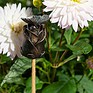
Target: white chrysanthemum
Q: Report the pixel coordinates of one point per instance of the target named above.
(11, 29)
(70, 12)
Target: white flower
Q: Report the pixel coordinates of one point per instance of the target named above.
(11, 29)
(70, 12)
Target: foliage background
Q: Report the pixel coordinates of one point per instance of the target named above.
(57, 71)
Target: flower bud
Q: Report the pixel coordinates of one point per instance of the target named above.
(89, 62)
(37, 3)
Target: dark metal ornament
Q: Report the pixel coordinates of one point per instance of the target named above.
(36, 19)
(35, 34)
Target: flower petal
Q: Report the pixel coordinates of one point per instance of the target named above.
(75, 25)
(70, 13)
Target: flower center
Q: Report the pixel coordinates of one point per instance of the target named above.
(78, 1)
(17, 28)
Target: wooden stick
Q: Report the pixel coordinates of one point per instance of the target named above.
(33, 76)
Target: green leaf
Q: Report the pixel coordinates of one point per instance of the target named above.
(17, 69)
(62, 77)
(80, 88)
(4, 59)
(56, 48)
(81, 47)
(39, 85)
(68, 59)
(67, 86)
(85, 84)
(67, 35)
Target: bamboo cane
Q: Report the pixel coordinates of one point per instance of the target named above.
(33, 76)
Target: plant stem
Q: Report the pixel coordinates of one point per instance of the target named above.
(62, 33)
(53, 75)
(64, 53)
(60, 44)
(77, 37)
(44, 72)
(57, 55)
(33, 76)
(49, 41)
